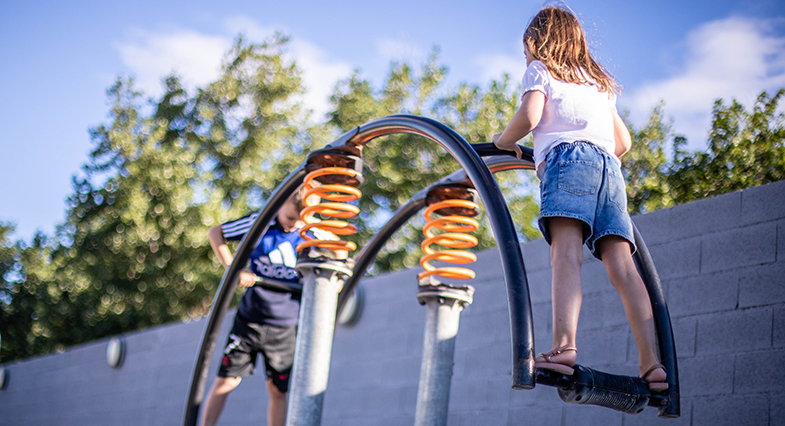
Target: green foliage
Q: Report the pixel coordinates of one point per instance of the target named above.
(133, 250)
(645, 166)
(398, 166)
(745, 149)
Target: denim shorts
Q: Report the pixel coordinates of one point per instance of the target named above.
(583, 182)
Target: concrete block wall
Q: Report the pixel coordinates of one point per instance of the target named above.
(721, 262)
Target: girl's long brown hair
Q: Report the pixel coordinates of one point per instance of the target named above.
(555, 38)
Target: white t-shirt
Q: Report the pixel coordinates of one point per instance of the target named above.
(573, 112)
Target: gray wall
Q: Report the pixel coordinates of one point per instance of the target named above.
(722, 263)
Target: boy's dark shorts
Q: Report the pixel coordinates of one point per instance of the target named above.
(247, 339)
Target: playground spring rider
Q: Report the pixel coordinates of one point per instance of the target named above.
(334, 176)
(457, 206)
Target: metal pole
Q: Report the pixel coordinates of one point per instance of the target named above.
(321, 282)
(444, 305)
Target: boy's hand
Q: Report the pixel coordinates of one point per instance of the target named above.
(247, 278)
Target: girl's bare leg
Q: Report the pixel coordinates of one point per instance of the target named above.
(615, 253)
(566, 291)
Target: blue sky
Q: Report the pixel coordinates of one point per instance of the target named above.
(58, 59)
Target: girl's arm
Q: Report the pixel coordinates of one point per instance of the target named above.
(621, 135)
(524, 120)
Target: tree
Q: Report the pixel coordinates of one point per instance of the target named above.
(133, 251)
(401, 165)
(645, 166)
(745, 149)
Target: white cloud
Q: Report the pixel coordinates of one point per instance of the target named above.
(494, 65)
(320, 73)
(401, 50)
(151, 56)
(197, 58)
(729, 58)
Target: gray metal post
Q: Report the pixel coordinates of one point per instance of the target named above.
(444, 305)
(321, 282)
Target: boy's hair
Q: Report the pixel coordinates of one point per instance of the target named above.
(297, 199)
(555, 37)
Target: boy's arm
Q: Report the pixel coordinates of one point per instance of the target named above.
(621, 135)
(217, 241)
(524, 121)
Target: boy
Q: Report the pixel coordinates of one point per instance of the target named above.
(266, 320)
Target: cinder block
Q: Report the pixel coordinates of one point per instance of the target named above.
(484, 417)
(382, 401)
(533, 415)
(703, 294)
(499, 392)
(691, 219)
(536, 255)
(777, 413)
(685, 333)
(778, 334)
(342, 403)
(539, 285)
(542, 318)
(612, 309)
(763, 203)
(781, 241)
(581, 415)
(408, 400)
(760, 371)
(407, 312)
(469, 395)
(393, 343)
(736, 248)
(762, 285)
(488, 265)
(706, 375)
(373, 318)
(594, 279)
(353, 421)
(400, 371)
(541, 397)
(677, 259)
(604, 346)
(489, 296)
(654, 227)
(731, 410)
(389, 287)
(491, 360)
(738, 331)
(591, 312)
(481, 330)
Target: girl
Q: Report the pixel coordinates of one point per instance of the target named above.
(569, 105)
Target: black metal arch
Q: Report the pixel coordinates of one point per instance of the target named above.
(468, 156)
(669, 403)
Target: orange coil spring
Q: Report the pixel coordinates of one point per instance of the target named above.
(337, 196)
(455, 236)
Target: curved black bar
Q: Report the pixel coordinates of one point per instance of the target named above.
(226, 289)
(368, 254)
(279, 285)
(671, 406)
(513, 269)
(487, 149)
(371, 249)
